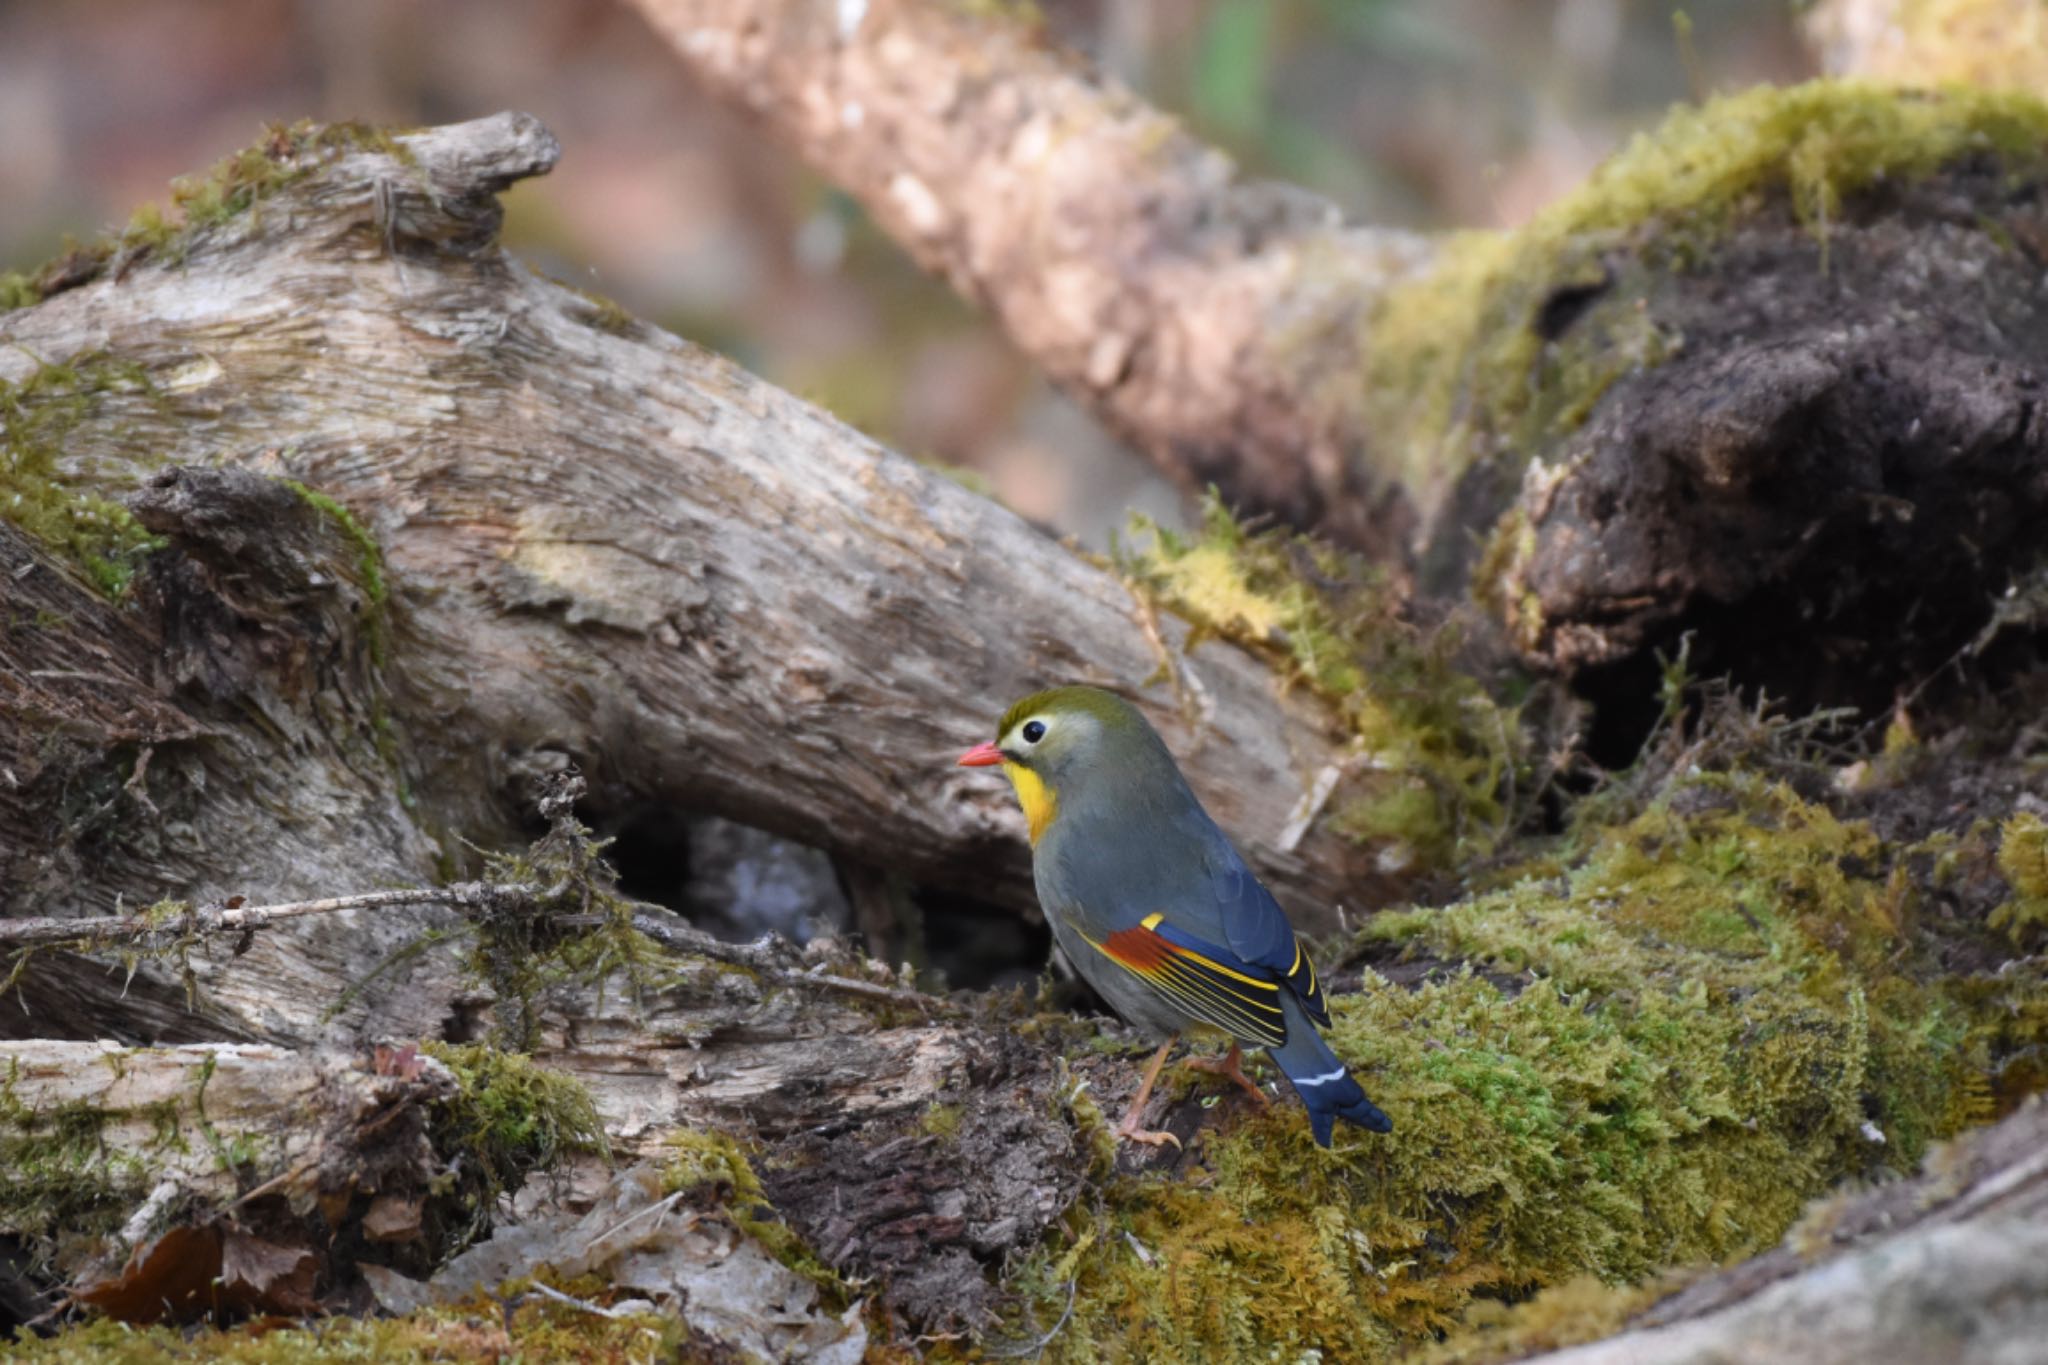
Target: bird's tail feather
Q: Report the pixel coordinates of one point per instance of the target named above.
(1326, 1088)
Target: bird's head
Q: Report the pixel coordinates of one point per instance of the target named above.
(1054, 745)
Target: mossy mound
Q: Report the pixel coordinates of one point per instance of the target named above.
(1466, 361)
(1714, 1014)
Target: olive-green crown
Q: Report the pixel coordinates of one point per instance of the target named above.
(1106, 707)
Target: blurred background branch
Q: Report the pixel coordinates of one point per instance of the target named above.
(692, 217)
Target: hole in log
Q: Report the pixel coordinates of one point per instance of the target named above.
(739, 882)
(980, 946)
(1567, 305)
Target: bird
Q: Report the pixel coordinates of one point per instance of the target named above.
(1154, 906)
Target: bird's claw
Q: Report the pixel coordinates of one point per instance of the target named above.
(1150, 1137)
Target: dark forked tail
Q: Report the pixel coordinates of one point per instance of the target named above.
(1325, 1087)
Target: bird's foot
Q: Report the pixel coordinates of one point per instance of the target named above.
(1230, 1066)
(1129, 1131)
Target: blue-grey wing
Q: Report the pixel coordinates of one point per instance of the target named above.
(1256, 930)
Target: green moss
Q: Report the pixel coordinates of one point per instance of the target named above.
(941, 1121)
(1092, 1131)
(2023, 859)
(1511, 543)
(369, 554)
(528, 1328)
(714, 1170)
(65, 1188)
(1435, 756)
(236, 186)
(608, 314)
(511, 1116)
(17, 291)
(376, 615)
(1458, 364)
(1580, 1310)
(37, 495)
(62, 1187)
(1685, 1035)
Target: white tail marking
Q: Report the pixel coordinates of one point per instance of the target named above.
(1323, 1079)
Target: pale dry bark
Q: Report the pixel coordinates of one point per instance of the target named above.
(300, 1125)
(1215, 322)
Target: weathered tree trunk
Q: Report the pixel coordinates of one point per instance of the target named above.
(572, 542)
(1215, 322)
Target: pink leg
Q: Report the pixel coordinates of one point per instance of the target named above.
(1129, 1128)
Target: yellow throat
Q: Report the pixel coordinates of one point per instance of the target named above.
(1037, 799)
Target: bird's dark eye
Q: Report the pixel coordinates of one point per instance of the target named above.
(1034, 731)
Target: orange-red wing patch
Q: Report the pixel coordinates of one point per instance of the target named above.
(1138, 948)
(1241, 1005)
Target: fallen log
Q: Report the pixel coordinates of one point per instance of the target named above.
(1945, 1266)
(432, 525)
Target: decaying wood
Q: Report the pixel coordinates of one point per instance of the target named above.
(1214, 321)
(249, 1092)
(123, 783)
(1836, 474)
(837, 1092)
(300, 1126)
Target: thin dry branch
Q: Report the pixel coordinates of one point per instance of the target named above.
(159, 925)
(161, 928)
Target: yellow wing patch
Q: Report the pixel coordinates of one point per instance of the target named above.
(1302, 977)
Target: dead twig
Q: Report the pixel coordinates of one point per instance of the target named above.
(142, 929)
(162, 928)
(763, 957)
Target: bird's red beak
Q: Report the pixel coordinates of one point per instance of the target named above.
(981, 756)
